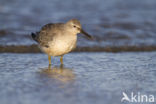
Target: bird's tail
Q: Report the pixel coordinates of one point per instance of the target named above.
(34, 36)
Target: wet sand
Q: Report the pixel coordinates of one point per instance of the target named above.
(34, 49)
(87, 78)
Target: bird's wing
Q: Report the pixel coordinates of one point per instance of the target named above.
(46, 34)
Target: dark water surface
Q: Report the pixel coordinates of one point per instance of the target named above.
(87, 78)
(111, 22)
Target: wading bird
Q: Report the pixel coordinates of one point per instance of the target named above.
(58, 39)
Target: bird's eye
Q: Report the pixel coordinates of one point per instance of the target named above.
(74, 26)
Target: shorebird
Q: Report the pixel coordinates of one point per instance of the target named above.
(59, 39)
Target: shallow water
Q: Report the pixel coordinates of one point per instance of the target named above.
(87, 78)
(111, 22)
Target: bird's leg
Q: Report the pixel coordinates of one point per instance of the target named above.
(61, 60)
(61, 66)
(49, 58)
(49, 67)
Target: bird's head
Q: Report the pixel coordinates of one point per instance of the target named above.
(76, 27)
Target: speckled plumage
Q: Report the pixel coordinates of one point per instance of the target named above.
(59, 38)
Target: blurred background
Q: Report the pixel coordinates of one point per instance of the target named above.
(111, 22)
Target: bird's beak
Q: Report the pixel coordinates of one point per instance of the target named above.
(86, 34)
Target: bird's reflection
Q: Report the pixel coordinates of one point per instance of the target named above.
(60, 73)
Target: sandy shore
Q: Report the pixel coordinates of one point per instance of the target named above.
(35, 49)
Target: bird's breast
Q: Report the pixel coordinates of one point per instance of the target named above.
(62, 45)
